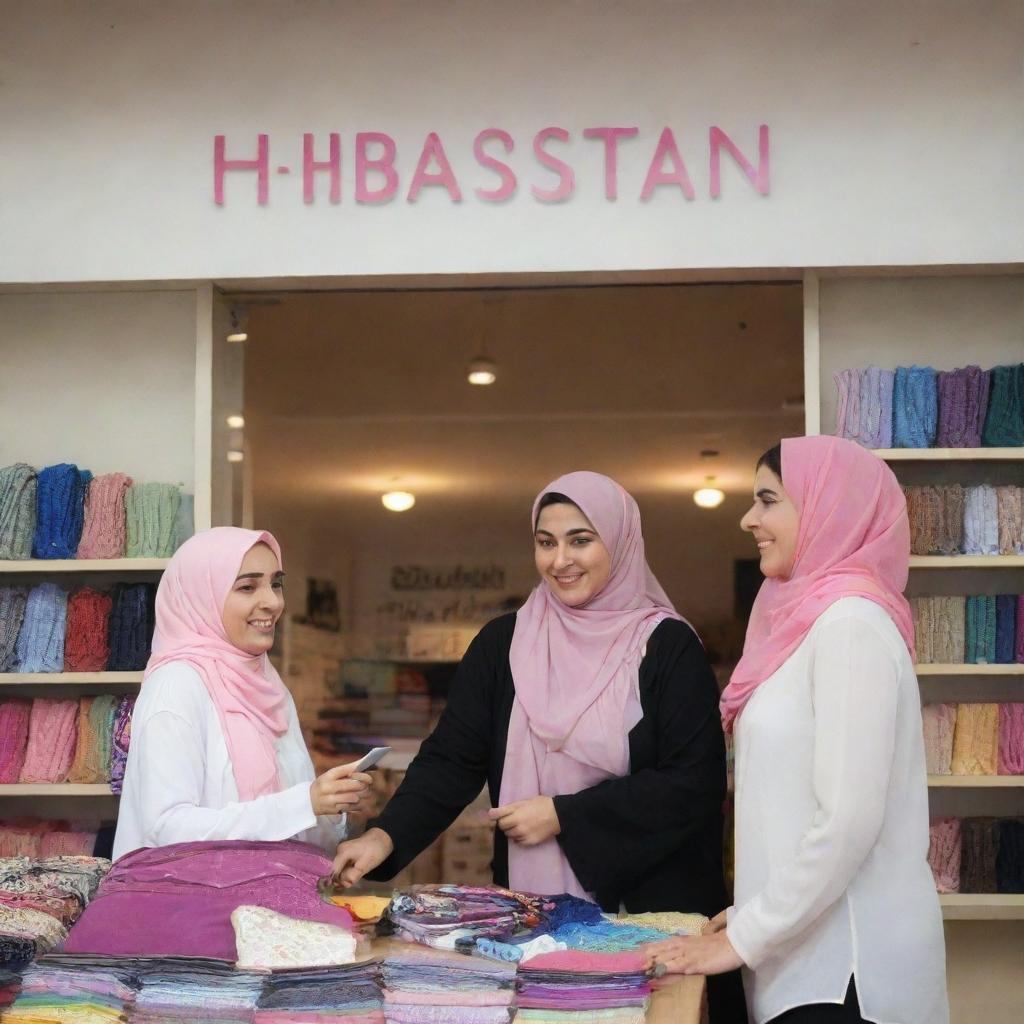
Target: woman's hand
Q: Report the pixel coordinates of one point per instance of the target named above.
(528, 822)
(717, 923)
(696, 954)
(357, 856)
(339, 789)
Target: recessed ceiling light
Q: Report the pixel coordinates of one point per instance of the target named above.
(235, 455)
(482, 371)
(236, 422)
(398, 501)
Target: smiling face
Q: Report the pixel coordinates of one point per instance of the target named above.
(774, 521)
(255, 602)
(570, 555)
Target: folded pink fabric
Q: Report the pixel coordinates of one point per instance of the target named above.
(52, 738)
(580, 960)
(313, 1017)
(1011, 739)
(20, 841)
(14, 719)
(103, 533)
(67, 844)
(452, 997)
(944, 853)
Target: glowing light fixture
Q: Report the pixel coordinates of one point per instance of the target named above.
(482, 371)
(239, 325)
(398, 501)
(236, 422)
(234, 455)
(709, 496)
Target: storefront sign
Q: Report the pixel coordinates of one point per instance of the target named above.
(458, 577)
(376, 180)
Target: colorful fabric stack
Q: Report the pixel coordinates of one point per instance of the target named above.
(1006, 628)
(39, 839)
(41, 899)
(18, 490)
(915, 407)
(422, 986)
(582, 983)
(15, 715)
(103, 533)
(60, 511)
(864, 409)
(177, 900)
(321, 995)
(963, 402)
(974, 738)
(980, 642)
(40, 646)
(944, 853)
(1004, 424)
(939, 722)
(936, 517)
(73, 990)
(86, 648)
(119, 742)
(52, 739)
(981, 521)
(1010, 515)
(151, 514)
(1011, 739)
(974, 630)
(193, 989)
(96, 720)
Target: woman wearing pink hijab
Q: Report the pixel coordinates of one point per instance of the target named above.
(216, 749)
(836, 917)
(592, 716)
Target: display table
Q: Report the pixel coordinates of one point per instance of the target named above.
(676, 999)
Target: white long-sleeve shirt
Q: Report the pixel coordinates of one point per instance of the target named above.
(832, 876)
(179, 785)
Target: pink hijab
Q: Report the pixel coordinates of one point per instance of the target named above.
(854, 541)
(250, 698)
(576, 676)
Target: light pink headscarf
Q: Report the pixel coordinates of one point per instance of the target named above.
(250, 698)
(853, 541)
(576, 675)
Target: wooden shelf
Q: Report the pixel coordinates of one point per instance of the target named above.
(967, 561)
(961, 906)
(974, 781)
(949, 454)
(55, 789)
(84, 565)
(962, 670)
(69, 678)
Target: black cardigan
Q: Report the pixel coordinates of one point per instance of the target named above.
(651, 840)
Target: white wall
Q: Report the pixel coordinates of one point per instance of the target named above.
(896, 135)
(102, 379)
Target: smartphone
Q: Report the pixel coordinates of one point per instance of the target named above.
(372, 759)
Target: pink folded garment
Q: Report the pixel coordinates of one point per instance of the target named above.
(1011, 739)
(14, 719)
(67, 844)
(592, 963)
(451, 997)
(316, 1017)
(944, 853)
(52, 739)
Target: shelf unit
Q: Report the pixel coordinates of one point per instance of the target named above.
(79, 565)
(947, 322)
(69, 678)
(40, 789)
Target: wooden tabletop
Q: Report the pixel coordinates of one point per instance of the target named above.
(676, 1000)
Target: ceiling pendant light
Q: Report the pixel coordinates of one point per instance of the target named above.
(239, 329)
(398, 501)
(709, 496)
(482, 371)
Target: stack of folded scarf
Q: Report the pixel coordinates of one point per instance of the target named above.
(940, 629)
(86, 647)
(52, 738)
(1011, 738)
(60, 511)
(38, 839)
(944, 843)
(1010, 515)
(40, 645)
(936, 517)
(73, 990)
(976, 740)
(424, 985)
(172, 989)
(13, 601)
(18, 487)
(14, 722)
(131, 627)
(103, 532)
(939, 728)
(963, 402)
(96, 721)
(1006, 628)
(981, 521)
(344, 994)
(151, 512)
(864, 409)
(980, 641)
(583, 984)
(1010, 856)
(915, 407)
(978, 851)
(119, 742)
(1004, 424)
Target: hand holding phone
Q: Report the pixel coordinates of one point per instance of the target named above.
(370, 760)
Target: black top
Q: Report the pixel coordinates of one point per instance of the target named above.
(651, 840)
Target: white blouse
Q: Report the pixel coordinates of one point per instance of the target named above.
(832, 875)
(179, 785)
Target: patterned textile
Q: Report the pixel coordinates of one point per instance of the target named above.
(266, 939)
